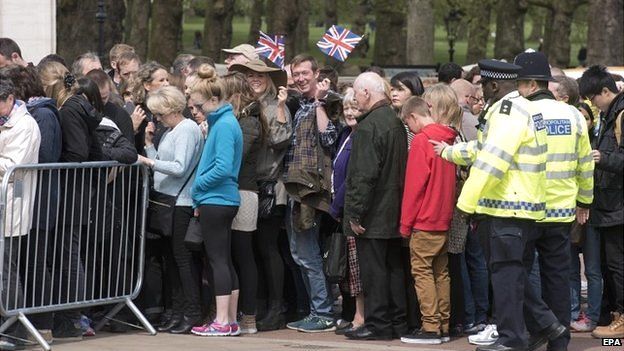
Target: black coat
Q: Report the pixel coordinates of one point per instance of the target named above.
(121, 118)
(79, 121)
(608, 206)
(115, 145)
(376, 174)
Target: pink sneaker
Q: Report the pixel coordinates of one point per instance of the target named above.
(213, 329)
(235, 329)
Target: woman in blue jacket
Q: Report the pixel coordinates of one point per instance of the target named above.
(216, 198)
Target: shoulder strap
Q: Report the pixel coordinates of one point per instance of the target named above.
(618, 127)
(189, 177)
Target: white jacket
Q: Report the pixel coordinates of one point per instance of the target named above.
(19, 144)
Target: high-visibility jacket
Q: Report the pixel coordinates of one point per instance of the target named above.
(508, 173)
(569, 166)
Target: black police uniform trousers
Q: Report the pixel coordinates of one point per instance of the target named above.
(552, 242)
(383, 285)
(504, 241)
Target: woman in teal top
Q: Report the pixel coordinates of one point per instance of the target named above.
(215, 197)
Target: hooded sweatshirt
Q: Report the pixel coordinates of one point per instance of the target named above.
(429, 193)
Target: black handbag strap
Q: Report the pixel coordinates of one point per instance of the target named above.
(188, 178)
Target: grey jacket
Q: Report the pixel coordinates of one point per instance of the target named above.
(271, 155)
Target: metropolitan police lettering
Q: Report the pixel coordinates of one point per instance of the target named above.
(559, 126)
(538, 121)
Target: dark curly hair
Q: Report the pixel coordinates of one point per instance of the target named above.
(25, 80)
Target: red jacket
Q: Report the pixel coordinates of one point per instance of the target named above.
(429, 193)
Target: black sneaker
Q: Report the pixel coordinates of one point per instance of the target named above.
(422, 337)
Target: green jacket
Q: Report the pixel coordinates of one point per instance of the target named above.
(376, 174)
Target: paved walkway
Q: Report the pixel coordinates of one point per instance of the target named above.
(275, 341)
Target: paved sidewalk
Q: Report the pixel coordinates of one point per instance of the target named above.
(275, 341)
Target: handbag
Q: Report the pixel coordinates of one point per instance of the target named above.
(160, 210)
(193, 240)
(266, 199)
(335, 260)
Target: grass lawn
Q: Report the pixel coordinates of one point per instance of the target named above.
(241, 31)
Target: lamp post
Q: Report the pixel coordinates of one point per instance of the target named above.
(100, 16)
(451, 22)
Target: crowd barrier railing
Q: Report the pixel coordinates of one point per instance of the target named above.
(71, 237)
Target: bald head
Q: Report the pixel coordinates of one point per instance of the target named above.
(464, 91)
(369, 89)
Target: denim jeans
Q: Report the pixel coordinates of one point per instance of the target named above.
(476, 281)
(591, 259)
(306, 252)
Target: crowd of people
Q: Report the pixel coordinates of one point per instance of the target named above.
(464, 203)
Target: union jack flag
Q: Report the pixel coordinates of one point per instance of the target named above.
(338, 42)
(272, 47)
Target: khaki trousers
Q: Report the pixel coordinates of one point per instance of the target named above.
(428, 252)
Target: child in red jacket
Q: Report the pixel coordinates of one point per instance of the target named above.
(427, 209)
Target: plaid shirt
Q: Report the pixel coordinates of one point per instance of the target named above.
(304, 139)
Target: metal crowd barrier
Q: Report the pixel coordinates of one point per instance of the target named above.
(71, 237)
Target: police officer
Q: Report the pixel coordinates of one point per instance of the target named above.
(569, 193)
(506, 193)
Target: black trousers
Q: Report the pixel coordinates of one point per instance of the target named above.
(216, 225)
(552, 242)
(246, 269)
(613, 240)
(457, 291)
(412, 307)
(505, 240)
(383, 285)
(270, 263)
(188, 266)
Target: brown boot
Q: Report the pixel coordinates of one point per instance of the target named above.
(613, 330)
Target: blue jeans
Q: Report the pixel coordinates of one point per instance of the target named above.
(306, 252)
(591, 259)
(475, 277)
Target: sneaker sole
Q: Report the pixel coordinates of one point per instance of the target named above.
(249, 331)
(421, 341)
(445, 339)
(481, 343)
(211, 334)
(292, 327)
(317, 331)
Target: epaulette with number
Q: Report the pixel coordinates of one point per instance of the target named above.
(505, 107)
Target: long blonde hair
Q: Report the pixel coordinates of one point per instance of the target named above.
(445, 108)
(58, 83)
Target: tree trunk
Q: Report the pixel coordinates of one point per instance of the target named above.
(390, 39)
(360, 18)
(331, 13)
(137, 26)
(605, 33)
(302, 33)
(77, 29)
(537, 19)
(559, 24)
(165, 36)
(479, 13)
(282, 18)
(257, 10)
(420, 32)
(509, 29)
(217, 27)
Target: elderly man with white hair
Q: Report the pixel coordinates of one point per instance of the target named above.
(375, 180)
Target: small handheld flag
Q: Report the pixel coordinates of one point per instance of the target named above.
(272, 47)
(338, 42)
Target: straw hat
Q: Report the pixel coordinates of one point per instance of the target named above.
(277, 75)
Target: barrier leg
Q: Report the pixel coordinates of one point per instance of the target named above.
(146, 324)
(109, 315)
(9, 322)
(34, 332)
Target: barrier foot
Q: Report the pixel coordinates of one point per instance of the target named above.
(146, 324)
(9, 322)
(34, 332)
(109, 315)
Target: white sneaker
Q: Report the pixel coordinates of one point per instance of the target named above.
(487, 336)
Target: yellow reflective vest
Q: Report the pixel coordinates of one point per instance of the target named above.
(508, 173)
(569, 166)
